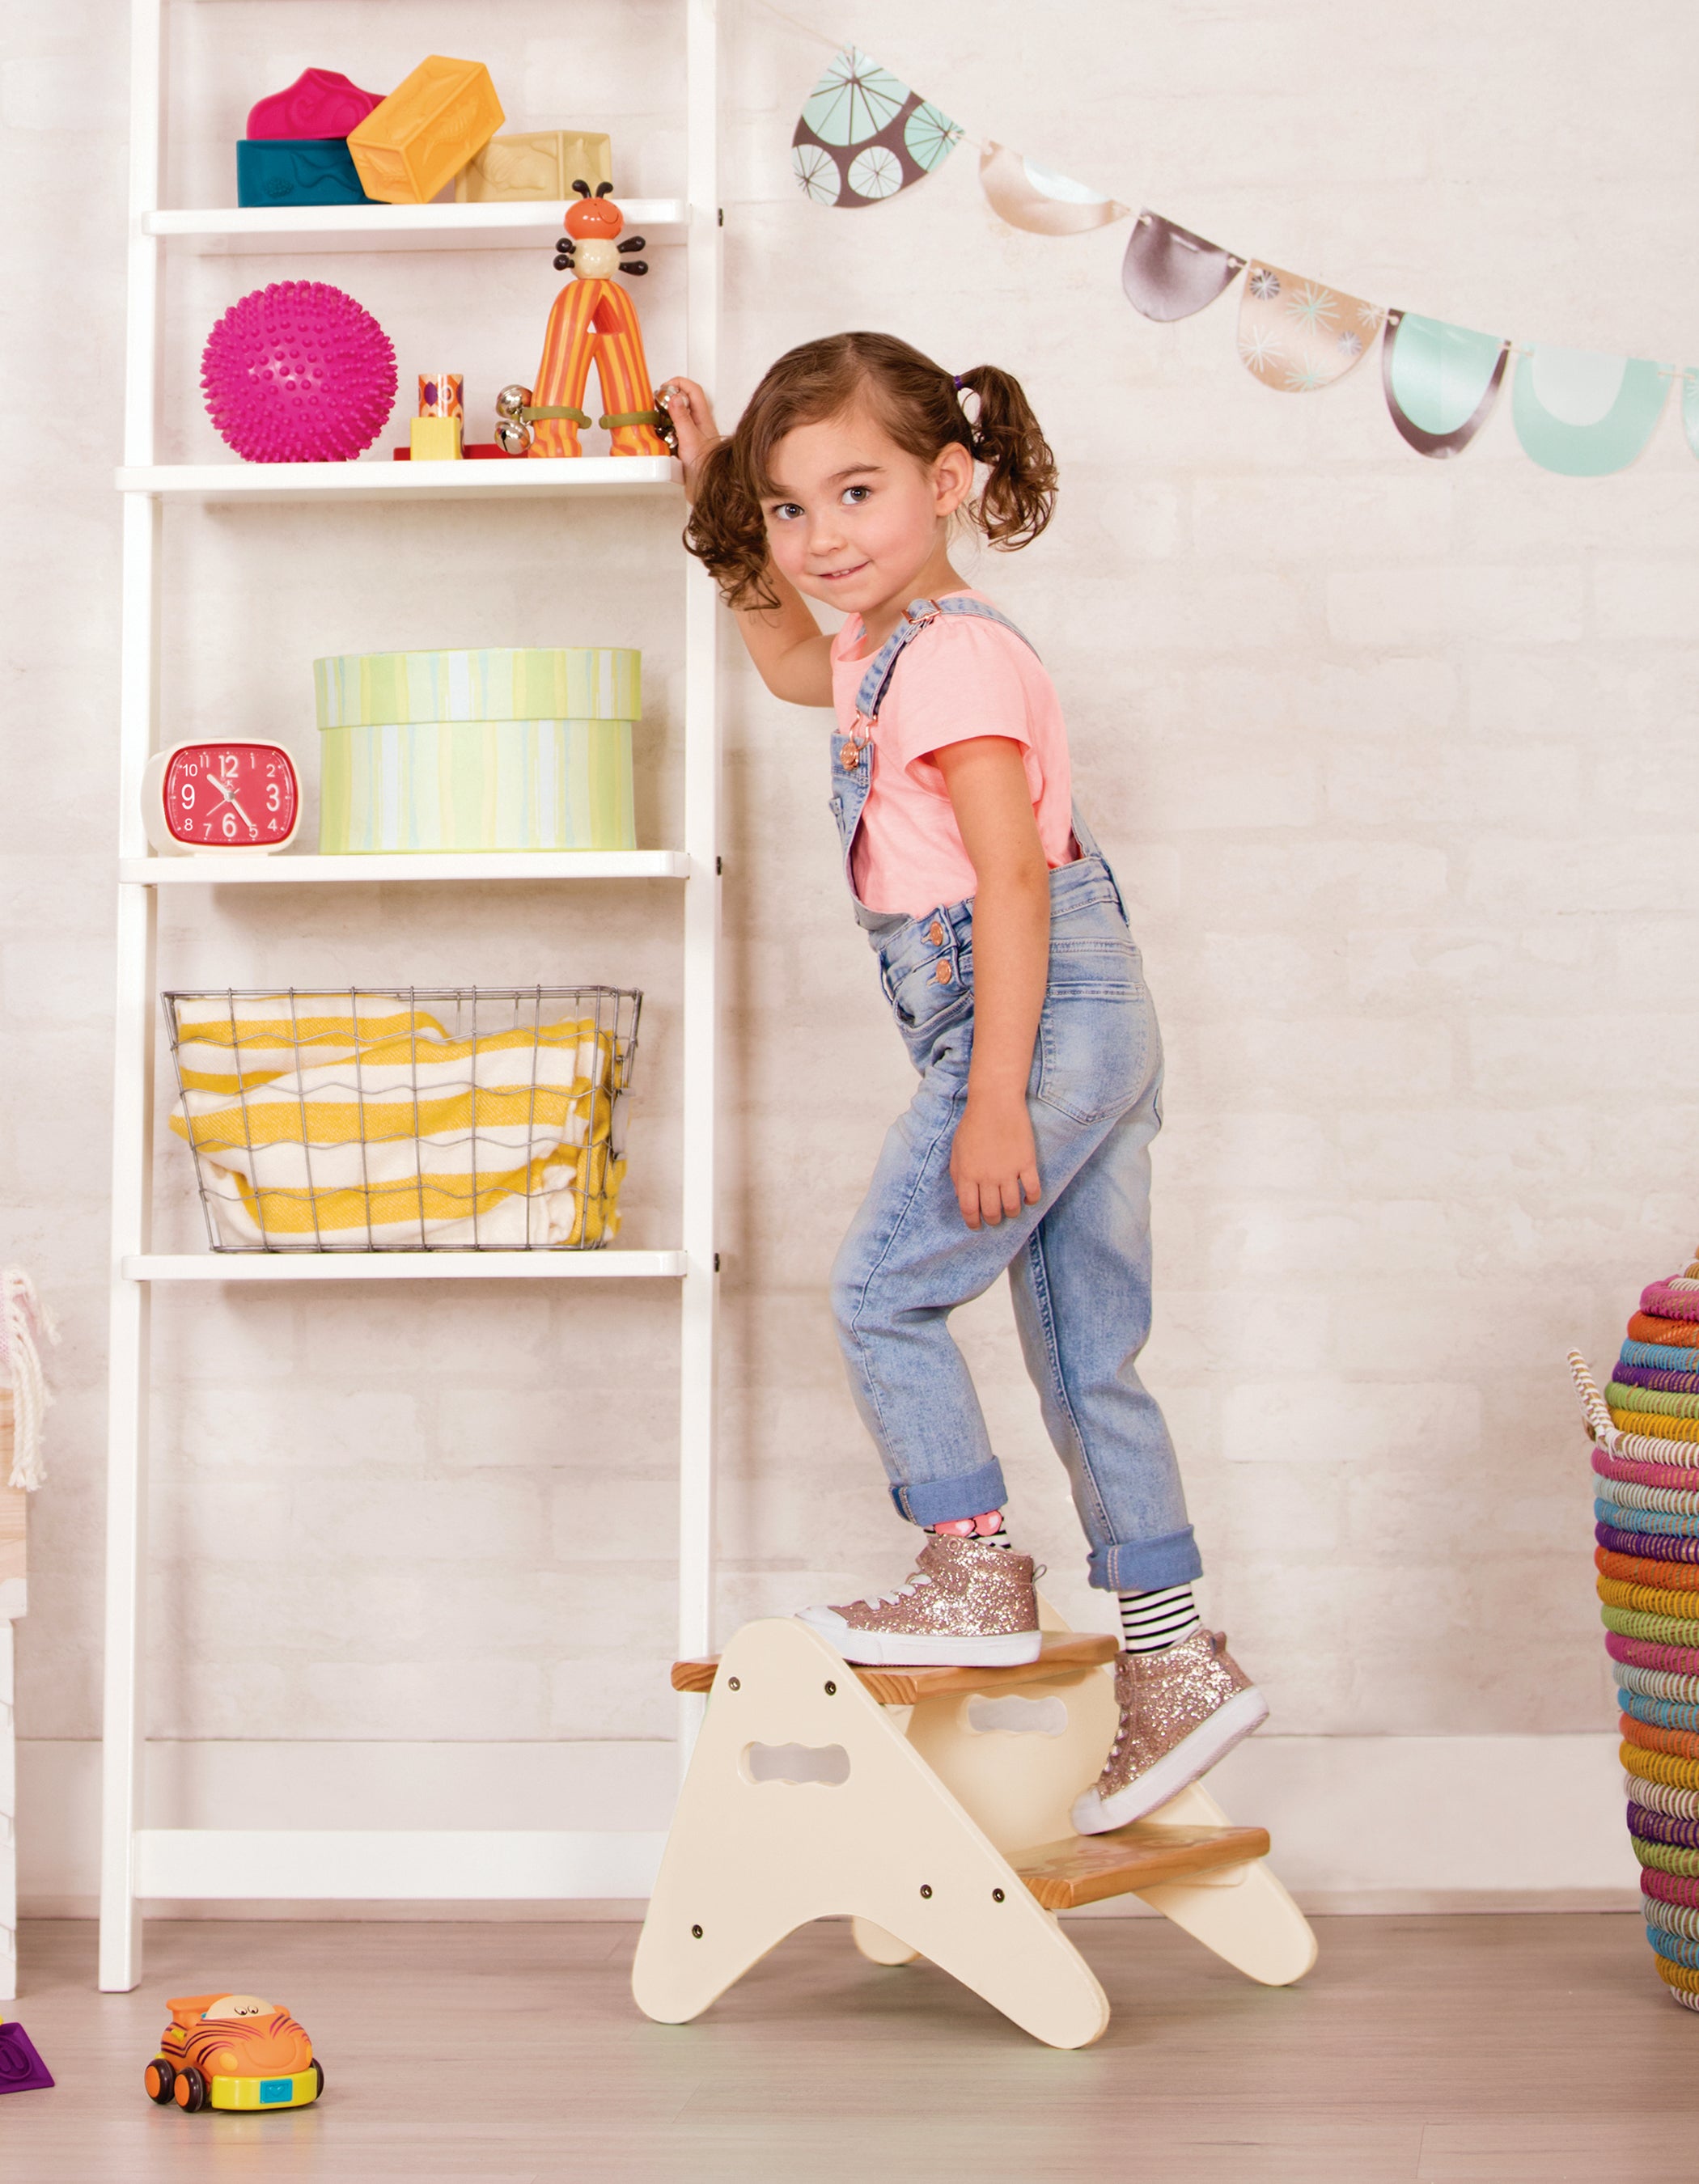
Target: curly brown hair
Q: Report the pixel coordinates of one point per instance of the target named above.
(918, 403)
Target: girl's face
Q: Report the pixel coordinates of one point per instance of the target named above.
(852, 519)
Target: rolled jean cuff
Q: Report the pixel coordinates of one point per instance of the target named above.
(942, 1501)
(1146, 1565)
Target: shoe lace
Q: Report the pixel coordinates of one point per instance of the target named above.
(902, 1592)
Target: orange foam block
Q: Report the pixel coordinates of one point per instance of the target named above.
(429, 125)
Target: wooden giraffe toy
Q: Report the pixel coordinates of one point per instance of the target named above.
(593, 321)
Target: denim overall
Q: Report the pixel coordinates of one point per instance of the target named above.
(1078, 1262)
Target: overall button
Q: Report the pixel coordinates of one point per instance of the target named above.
(945, 974)
(851, 758)
(935, 934)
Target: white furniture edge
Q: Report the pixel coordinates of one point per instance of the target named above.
(525, 225)
(396, 1864)
(8, 1808)
(375, 477)
(242, 868)
(134, 1858)
(610, 1265)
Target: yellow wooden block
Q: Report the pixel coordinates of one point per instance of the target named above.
(435, 439)
(421, 136)
(542, 162)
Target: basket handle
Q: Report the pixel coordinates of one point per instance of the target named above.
(1600, 1424)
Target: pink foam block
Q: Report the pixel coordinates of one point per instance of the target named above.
(320, 103)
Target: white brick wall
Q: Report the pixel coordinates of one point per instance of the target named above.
(1397, 761)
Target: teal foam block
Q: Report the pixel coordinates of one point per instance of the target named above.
(282, 170)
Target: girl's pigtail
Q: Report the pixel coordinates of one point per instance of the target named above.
(726, 532)
(1020, 494)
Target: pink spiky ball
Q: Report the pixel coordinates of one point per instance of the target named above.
(298, 372)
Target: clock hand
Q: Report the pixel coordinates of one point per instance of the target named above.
(231, 798)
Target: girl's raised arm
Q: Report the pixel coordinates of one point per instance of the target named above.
(792, 654)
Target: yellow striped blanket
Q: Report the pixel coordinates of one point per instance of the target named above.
(367, 1125)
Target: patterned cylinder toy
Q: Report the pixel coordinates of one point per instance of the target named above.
(1644, 1430)
(441, 394)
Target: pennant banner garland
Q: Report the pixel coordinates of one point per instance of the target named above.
(1296, 335)
(1440, 382)
(1029, 195)
(1582, 414)
(864, 136)
(1168, 272)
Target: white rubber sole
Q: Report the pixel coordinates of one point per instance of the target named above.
(890, 1649)
(1193, 1756)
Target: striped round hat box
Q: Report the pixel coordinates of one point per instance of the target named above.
(503, 749)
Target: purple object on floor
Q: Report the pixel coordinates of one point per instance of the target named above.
(20, 2066)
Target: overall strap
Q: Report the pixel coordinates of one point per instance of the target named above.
(917, 617)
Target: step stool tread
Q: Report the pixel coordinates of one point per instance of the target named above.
(1062, 1652)
(1087, 1869)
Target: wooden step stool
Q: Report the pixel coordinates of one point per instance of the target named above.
(932, 1806)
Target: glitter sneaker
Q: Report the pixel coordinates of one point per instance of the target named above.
(1181, 1710)
(967, 1605)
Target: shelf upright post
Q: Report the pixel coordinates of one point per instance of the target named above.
(699, 1306)
(132, 1133)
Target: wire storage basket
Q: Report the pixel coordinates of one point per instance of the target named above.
(404, 1118)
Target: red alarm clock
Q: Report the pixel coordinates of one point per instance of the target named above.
(229, 793)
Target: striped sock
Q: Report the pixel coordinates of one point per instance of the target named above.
(1151, 1622)
(990, 1529)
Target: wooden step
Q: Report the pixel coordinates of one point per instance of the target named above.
(1086, 1868)
(1060, 1652)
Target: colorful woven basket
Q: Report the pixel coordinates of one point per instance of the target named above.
(1644, 1430)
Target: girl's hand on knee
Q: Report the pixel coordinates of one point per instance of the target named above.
(994, 1161)
(692, 420)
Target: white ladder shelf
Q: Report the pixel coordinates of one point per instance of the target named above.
(136, 1861)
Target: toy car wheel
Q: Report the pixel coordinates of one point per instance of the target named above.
(190, 2089)
(159, 2078)
(319, 2072)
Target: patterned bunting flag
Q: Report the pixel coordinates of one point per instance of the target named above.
(1582, 414)
(1039, 200)
(864, 136)
(1440, 382)
(1296, 335)
(1168, 272)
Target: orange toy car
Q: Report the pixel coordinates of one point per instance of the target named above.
(233, 2051)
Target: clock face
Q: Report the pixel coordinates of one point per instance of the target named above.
(230, 795)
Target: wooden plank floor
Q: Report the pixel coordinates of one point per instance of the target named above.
(1487, 2050)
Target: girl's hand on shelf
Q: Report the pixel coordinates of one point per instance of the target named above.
(692, 420)
(994, 1160)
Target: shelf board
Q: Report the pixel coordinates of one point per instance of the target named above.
(530, 224)
(611, 1264)
(243, 868)
(1061, 1654)
(375, 478)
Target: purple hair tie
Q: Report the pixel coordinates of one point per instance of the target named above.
(959, 382)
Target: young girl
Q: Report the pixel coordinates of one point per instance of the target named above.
(1004, 951)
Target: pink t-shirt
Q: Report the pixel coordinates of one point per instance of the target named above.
(961, 676)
